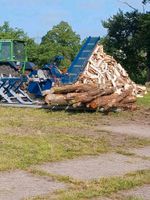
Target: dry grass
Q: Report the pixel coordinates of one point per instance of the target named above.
(29, 136)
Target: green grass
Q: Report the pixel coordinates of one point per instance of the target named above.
(23, 151)
(20, 152)
(145, 101)
(81, 190)
(29, 136)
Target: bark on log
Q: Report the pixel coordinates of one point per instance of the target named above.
(73, 88)
(129, 99)
(129, 106)
(107, 101)
(89, 96)
(55, 99)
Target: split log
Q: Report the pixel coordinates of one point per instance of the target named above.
(103, 84)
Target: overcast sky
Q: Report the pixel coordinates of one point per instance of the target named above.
(36, 17)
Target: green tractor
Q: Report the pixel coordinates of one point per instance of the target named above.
(13, 58)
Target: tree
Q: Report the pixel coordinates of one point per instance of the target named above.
(61, 40)
(144, 35)
(7, 32)
(125, 42)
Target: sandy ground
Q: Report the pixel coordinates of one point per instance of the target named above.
(142, 192)
(131, 129)
(19, 184)
(145, 152)
(105, 165)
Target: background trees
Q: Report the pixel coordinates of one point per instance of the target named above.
(7, 32)
(61, 40)
(128, 40)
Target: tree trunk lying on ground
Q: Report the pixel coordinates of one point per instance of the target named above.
(93, 98)
(102, 84)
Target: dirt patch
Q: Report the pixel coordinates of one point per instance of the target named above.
(142, 151)
(95, 167)
(142, 192)
(101, 198)
(131, 129)
(19, 184)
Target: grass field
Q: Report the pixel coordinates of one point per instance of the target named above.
(29, 137)
(144, 102)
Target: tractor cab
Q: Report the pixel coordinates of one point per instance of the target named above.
(13, 57)
(13, 50)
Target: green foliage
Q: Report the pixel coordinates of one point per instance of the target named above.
(6, 32)
(61, 40)
(144, 37)
(32, 50)
(128, 43)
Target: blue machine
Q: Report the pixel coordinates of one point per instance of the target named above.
(44, 79)
(53, 74)
(80, 61)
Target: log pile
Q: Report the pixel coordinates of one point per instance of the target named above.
(103, 84)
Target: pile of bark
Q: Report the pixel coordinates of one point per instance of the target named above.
(103, 84)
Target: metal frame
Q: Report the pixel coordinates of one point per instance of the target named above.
(10, 91)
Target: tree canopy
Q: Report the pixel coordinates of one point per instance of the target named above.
(128, 41)
(7, 32)
(60, 40)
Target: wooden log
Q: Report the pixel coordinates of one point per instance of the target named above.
(107, 101)
(71, 96)
(129, 106)
(89, 96)
(129, 99)
(73, 88)
(104, 83)
(56, 99)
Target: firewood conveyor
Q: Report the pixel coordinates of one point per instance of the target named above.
(17, 88)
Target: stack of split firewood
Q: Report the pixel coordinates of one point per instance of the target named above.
(104, 84)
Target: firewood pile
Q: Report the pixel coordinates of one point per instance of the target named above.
(104, 84)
